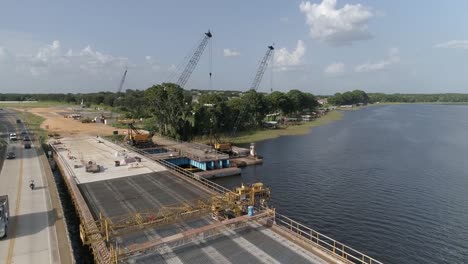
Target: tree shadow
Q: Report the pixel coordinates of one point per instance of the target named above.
(30, 224)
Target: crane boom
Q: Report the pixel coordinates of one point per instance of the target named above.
(192, 63)
(122, 81)
(256, 82)
(262, 67)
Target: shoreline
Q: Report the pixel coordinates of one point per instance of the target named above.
(294, 130)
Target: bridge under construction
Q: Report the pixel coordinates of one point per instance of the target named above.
(137, 209)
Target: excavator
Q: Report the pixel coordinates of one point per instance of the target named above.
(136, 137)
(226, 147)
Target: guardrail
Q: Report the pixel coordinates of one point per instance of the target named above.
(102, 254)
(324, 242)
(194, 145)
(207, 183)
(307, 234)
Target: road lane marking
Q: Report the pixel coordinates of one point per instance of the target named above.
(11, 245)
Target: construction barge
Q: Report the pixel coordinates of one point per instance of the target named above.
(134, 209)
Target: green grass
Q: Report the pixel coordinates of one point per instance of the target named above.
(33, 123)
(264, 134)
(38, 104)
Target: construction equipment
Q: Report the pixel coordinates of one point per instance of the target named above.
(136, 137)
(226, 146)
(256, 82)
(122, 81)
(262, 67)
(193, 61)
(221, 207)
(249, 194)
(119, 90)
(4, 215)
(218, 145)
(92, 166)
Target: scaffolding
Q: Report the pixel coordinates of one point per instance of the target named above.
(220, 206)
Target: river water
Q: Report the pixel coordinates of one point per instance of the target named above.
(390, 181)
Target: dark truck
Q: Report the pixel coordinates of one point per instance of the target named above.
(4, 214)
(27, 144)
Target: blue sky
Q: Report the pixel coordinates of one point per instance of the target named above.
(322, 47)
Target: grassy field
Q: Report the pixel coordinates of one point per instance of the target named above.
(39, 104)
(263, 134)
(33, 123)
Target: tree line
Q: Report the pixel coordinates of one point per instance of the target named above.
(349, 98)
(419, 98)
(358, 96)
(172, 111)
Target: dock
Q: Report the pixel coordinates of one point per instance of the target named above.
(152, 211)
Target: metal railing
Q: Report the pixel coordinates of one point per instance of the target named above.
(308, 235)
(207, 183)
(100, 250)
(194, 145)
(324, 242)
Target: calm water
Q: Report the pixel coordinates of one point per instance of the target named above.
(391, 181)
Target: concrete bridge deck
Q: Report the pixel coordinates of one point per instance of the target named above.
(123, 190)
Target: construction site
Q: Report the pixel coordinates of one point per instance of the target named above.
(148, 198)
(151, 211)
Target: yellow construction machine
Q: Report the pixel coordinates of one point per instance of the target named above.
(136, 137)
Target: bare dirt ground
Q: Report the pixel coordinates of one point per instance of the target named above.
(56, 123)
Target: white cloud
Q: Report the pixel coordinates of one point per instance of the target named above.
(285, 60)
(337, 26)
(155, 66)
(393, 57)
(335, 68)
(51, 59)
(230, 53)
(453, 44)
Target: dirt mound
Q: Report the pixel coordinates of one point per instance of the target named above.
(56, 123)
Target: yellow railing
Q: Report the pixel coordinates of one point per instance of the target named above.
(324, 242)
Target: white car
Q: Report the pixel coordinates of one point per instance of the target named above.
(13, 136)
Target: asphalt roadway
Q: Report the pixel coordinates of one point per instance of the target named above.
(31, 235)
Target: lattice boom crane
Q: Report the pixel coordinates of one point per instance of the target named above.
(262, 67)
(122, 81)
(192, 63)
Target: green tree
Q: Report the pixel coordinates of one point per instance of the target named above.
(279, 101)
(171, 109)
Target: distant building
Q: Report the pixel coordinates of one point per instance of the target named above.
(322, 101)
(306, 117)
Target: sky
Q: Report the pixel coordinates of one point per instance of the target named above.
(321, 47)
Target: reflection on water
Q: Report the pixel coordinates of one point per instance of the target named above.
(390, 181)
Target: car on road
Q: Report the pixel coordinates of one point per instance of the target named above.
(13, 136)
(10, 155)
(26, 138)
(18, 121)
